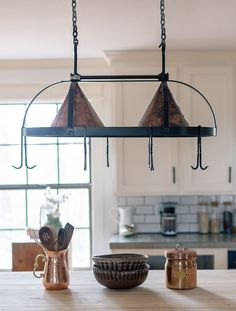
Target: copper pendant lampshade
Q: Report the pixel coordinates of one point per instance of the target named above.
(154, 115)
(83, 114)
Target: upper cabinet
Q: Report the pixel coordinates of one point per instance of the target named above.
(134, 175)
(216, 83)
(213, 75)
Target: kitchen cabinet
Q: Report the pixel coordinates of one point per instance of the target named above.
(232, 259)
(216, 83)
(173, 157)
(134, 175)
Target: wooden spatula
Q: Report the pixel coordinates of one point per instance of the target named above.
(61, 239)
(46, 237)
(69, 232)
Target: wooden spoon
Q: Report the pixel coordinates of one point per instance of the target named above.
(46, 237)
(61, 239)
(69, 232)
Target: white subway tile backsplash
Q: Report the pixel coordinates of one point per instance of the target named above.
(194, 209)
(135, 201)
(190, 219)
(144, 210)
(153, 200)
(183, 228)
(182, 209)
(121, 201)
(194, 228)
(187, 200)
(152, 219)
(138, 219)
(156, 210)
(148, 228)
(171, 198)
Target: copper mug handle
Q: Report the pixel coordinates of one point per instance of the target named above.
(36, 265)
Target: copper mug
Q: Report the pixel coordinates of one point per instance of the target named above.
(181, 268)
(55, 274)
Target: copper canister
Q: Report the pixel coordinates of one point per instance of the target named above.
(181, 268)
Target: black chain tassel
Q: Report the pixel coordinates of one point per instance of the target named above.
(107, 153)
(150, 150)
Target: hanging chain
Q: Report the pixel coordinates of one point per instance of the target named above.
(75, 76)
(163, 28)
(74, 21)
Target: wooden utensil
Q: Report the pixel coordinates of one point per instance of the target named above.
(46, 237)
(69, 232)
(61, 239)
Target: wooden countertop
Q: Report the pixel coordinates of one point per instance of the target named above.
(21, 291)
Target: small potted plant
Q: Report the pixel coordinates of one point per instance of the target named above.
(51, 208)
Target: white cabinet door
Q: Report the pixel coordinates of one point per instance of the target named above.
(216, 83)
(134, 175)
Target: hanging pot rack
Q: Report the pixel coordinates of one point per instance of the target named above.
(70, 130)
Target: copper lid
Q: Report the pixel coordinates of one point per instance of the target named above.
(180, 252)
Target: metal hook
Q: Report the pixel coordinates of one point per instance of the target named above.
(23, 143)
(21, 153)
(26, 158)
(199, 152)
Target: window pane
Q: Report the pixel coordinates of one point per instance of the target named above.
(72, 164)
(12, 209)
(41, 115)
(76, 209)
(71, 140)
(58, 160)
(45, 157)
(36, 199)
(10, 155)
(41, 140)
(11, 117)
(80, 247)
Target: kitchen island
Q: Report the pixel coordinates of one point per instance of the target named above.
(216, 291)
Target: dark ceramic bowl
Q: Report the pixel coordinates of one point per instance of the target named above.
(121, 279)
(120, 262)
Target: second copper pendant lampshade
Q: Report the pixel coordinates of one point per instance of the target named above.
(154, 115)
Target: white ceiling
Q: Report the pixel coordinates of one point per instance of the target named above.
(42, 28)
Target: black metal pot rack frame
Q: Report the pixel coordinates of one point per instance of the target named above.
(129, 131)
(119, 131)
